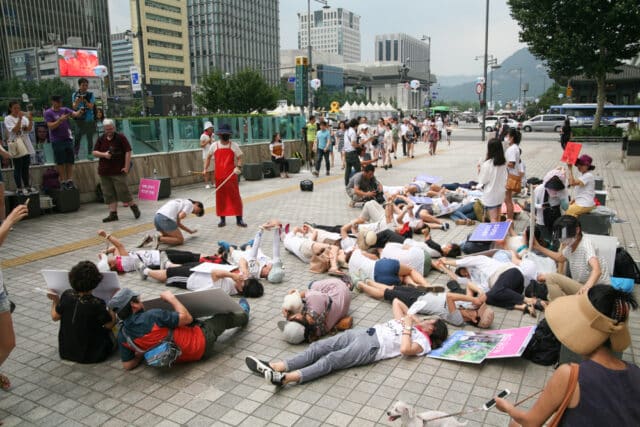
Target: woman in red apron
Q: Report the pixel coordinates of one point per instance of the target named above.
(228, 165)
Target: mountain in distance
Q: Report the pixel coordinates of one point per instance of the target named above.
(455, 80)
(506, 80)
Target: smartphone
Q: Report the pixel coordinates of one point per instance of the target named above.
(26, 202)
(490, 404)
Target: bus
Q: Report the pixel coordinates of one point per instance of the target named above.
(586, 112)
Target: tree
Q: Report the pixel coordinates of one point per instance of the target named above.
(550, 97)
(212, 94)
(580, 37)
(248, 91)
(39, 92)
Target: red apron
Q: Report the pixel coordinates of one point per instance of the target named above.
(228, 201)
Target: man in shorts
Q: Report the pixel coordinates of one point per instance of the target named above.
(57, 118)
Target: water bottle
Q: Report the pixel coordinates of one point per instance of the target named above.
(155, 173)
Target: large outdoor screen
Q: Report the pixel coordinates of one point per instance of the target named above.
(77, 62)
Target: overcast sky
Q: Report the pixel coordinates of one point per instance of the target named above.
(456, 27)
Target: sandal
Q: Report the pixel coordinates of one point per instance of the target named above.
(5, 383)
(540, 305)
(530, 310)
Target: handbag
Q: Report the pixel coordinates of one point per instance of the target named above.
(514, 183)
(571, 387)
(159, 356)
(17, 147)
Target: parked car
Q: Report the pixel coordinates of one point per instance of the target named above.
(489, 122)
(623, 122)
(544, 123)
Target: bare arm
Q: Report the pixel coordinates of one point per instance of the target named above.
(119, 247)
(18, 213)
(55, 299)
(185, 317)
(556, 256)
(593, 277)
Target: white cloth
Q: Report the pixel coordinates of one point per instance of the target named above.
(205, 150)
(361, 265)
(200, 281)
(350, 137)
(172, 208)
(587, 192)
(294, 243)
(513, 155)
(389, 336)
(412, 256)
(481, 269)
(493, 180)
(10, 123)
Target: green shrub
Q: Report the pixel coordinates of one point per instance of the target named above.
(609, 131)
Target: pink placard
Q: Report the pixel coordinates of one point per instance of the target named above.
(571, 153)
(148, 189)
(513, 342)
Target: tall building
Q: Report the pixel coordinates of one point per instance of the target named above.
(29, 24)
(234, 35)
(333, 30)
(121, 61)
(165, 41)
(404, 49)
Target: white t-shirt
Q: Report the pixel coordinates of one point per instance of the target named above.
(435, 304)
(293, 243)
(389, 336)
(413, 256)
(350, 137)
(493, 180)
(480, 268)
(361, 265)
(235, 147)
(513, 155)
(579, 262)
(205, 150)
(10, 123)
(587, 192)
(255, 265)
(172, 208)
(201, 281)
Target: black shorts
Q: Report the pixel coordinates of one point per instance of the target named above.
(405, 294)
(178, 276)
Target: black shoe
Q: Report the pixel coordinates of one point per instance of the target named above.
(455, 287)
(135, 210)
(275, 378)
(222, 223)
(113, 216)
(256, 365)
(241, 224)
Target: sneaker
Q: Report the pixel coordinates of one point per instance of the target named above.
(33, 190)
(246, 245)
(113, 216)
(140, 269)
(208, 186)
(445, 226)
(145, 241)
(135, 210)
(274, 378)
(155, 242)
(71, 185)
(256, 365)
(20, 192)
(315, 173)
(245, 305)
(224, 245)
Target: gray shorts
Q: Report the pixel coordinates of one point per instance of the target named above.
(115, 189)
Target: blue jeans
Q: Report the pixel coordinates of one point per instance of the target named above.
(354, 347)
(321, 154)
(464, 212)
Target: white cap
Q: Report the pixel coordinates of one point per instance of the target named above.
(208, 125)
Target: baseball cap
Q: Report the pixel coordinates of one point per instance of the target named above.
(122, 298)
(208, 125)
(293, 331)
(486, 315)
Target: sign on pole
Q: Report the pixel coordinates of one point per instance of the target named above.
(479, 87)
(136, 86)
(302, 81)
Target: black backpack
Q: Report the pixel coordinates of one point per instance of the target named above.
(625, 266)
(544, 347)
(306, 185)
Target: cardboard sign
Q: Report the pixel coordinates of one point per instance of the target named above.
(58, 281)
(490, 231)
(148, 189)
(571, 153)
(467, 346)
(513, 343)
(200, 303)
(421, 200)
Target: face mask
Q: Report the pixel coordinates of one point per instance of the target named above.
(568, 241)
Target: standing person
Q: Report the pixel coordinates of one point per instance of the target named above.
(585, 187)
(493, 179)
(512, 156)
(206, 140)
(311, 130)
(57, 118)
(83, 102)
(565, 133)
(449, 132)
(99, 119)
(351, 146)
(6, 156)
(276, 148)
(7, 335)
(323, 145)
(114, 152)
(18, 127)
(410, 137)
(339, 135)
(395, 136)
(387, 146)
(432, 136)
(228, 165)
(403, 131)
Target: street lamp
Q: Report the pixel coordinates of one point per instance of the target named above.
(143, 71)
(325, 4)
(425, 38)
(519, 70)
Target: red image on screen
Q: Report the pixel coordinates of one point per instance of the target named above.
(77, 62)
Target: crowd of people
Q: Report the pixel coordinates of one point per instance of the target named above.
(385, 251)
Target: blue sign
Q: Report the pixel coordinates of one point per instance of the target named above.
(135, 78)
(490, 231)
(291, 79)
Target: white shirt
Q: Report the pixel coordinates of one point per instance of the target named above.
(587, 192)
(350, 137)
(361, 265)
(481, 269)
(389, 336)
(10, 123)
(205, 150)
(579, 262)
(293, 243)
(172, 208)
(255, 265)
(413, 256)
(493, 180)
(200, 281)
(513, 155)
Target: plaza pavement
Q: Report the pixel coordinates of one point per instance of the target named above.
(221, 390)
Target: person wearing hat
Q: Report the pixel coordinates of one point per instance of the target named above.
(206, 142)
(593, 325)
(314, 313)
(453, 308)
(404, 335)
(85, 334)
(168, 222)
(228, 159)
(148, 328)
(549, 198)
(587, 267)
(585, 187)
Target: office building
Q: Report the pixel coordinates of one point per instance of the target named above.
(121, 54)
(165, 41)
(333, 30)
(35, 24)
(403, 49)
(233, 36)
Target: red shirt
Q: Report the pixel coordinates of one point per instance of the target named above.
(118, 146)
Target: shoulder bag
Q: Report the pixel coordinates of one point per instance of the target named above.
(159, 356)
(514, 183)
(17, 147)
(571, 387)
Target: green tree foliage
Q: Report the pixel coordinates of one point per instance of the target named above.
(242, 92)
(580, 37)
(323, 98)
(550, 97)
(39, 92)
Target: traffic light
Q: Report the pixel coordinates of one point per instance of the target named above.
(569, 91)
(302, 81)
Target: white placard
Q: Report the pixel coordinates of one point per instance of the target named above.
(200, 303)
(58, 281)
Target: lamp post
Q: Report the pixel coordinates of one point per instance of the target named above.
(486, 51)
(494, 66)
(425, 38)
(325, 4)
(519, 70)
(143, 71)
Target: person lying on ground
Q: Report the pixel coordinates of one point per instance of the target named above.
(168, 222)
(314, 313)
(453, 308)
(117, 258)
(405, 335)
(141, 329)
(312, 252)
(423, 212)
